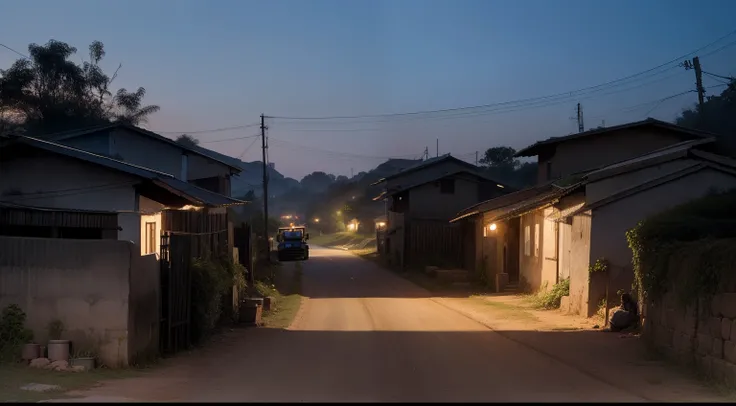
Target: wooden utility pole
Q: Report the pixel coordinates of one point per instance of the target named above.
(695, 65)
(438, 147)
(581, 126)
(264, 147)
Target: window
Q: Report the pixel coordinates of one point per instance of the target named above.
(150, 238)
(527, 241)
(536, 240)
(447, 186)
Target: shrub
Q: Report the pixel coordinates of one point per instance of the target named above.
(551, 299)
(691, 245)
(211, 280)
(13, 334)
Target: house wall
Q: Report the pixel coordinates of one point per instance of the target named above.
(200, 167)
(98, 143)
(610, 223)
(596, 151)
(600, 189)
(580, 228)
(530, 266)
(59, 182)
(426, 201)
(424, 175)
(90, 286)
(141, 150)
(155, 238)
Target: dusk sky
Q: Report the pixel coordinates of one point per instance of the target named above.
(215, 64)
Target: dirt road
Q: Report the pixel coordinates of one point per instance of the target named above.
(365, 334)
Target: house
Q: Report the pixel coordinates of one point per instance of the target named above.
(52, 190)
(559, 228)
(419, 202)
(138, 146)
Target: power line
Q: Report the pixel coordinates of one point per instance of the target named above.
(242, 154)
(344, 154)
(209, 131)
(568, 94)
(230, 139)
(13, 50)
(718, 76)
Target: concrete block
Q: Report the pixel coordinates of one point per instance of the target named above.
(729, 351)
(682, 343)
(717, 351)
(714, 326)
(705, 344)
(719, 369)
(715, 306)
(704, 363)
(726, 328)
(727, 305)
(729, 374)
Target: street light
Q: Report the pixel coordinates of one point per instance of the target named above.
(316, 220)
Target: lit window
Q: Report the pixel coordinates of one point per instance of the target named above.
(527, 241)
(536, 240)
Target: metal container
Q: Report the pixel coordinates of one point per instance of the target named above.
(58, 350)
(87, 362)
(31, 352)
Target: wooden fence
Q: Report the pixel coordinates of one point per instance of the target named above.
(433, 243)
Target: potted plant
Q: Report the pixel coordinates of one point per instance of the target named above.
(31, 350)
(58, 349)
(84, 358)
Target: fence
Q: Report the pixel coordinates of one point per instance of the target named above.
(185, 235)
(433, 243)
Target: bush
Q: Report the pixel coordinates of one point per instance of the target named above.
(13, 334)
(212, 279)
(552, 298)
(691, 244)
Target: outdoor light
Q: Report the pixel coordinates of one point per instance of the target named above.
(380, 224)
(492, 226)
(339, 212)
(316, 220)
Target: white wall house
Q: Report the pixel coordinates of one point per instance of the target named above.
(48, 175)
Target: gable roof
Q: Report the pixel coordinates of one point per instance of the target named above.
(686, 133)
(164, 180)
(429, 163)
(204, 152)
(402, 188)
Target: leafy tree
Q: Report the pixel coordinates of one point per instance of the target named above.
(718, 116)
(317, 181)
(501, 165)
(187, 140)
(500, 157)
(49, 93)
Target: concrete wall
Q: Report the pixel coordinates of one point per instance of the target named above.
(610, 223)
(426, 201)
(604, 149)
(90, 286)
(530, 266)
(145, 151)
(65, 183)
(579, 261)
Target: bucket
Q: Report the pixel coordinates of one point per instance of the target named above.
(58, 350)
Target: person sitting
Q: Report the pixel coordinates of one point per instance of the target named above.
(627, 315)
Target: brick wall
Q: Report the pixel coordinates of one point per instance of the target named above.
(703, 334)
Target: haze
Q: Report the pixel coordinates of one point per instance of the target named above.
(220, 64)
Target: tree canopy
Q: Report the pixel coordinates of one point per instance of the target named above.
(187, 140)
(48, 92)
(718, 115)
(501, 165)
(317, 181)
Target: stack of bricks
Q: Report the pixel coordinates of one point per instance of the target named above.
(706, 337)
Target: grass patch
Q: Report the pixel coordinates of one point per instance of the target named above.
(506, 311)
(14, 376)
(285, 290)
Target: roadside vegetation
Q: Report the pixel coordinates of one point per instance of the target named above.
(549, 299)
(283, 284)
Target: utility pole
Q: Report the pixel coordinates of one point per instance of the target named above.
(581, 126)
(264, 146)
(695, 65)
(438, 147)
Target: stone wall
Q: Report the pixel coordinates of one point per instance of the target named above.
(703, 334)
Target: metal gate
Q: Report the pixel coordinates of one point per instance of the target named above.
(176, 280)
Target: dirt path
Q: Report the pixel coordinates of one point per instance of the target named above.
(365, 334)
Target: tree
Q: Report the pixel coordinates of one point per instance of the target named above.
(500, 157)
(187, 140)
(717, 116)
(317, 181)
(50, 93)
(501, 165)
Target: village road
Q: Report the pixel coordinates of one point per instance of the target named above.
(365, 334)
